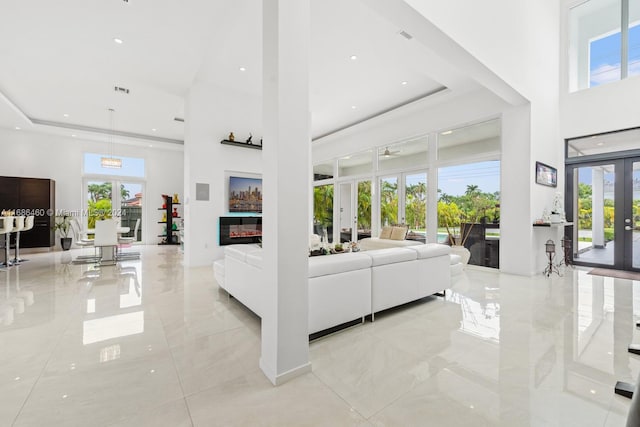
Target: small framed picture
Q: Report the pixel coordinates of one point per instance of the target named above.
(546, 175)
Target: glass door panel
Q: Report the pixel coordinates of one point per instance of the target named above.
(594, 207)
(388, 201)
(131, 207)
(415, 206)
(633, 219)
(346, 216)
(364, 210)
(99, 201)
(323, 211)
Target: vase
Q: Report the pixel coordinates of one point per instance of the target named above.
(462, 252)
(65, 242)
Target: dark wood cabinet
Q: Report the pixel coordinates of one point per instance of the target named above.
(32, 195)
(483, 244)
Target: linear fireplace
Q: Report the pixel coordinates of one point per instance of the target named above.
(240, 229)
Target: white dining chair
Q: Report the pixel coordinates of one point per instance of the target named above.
(18, 226)
(134, 238)
(106, 237)
(83, 241)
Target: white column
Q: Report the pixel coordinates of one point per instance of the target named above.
(286, 152)
(597, 207)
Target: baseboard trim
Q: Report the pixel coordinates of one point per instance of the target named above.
(280, 379)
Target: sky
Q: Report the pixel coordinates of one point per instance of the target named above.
(604, 57)
(453, 180)
(238, 184)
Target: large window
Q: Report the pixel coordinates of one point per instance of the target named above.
(604, 42)
(408, 182)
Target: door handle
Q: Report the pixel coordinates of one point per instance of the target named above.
(627, 228)
(627, 221)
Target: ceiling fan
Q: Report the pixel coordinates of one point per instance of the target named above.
(389, 153)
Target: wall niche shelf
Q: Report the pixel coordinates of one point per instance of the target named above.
(241, 144)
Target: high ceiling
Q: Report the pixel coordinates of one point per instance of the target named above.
(61, 63)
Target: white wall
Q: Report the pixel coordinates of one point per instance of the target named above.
(39, 155)
(609, 107)
(211, 113)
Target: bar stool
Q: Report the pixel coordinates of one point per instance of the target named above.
(18, 226)
(28, 225)
(7, 226)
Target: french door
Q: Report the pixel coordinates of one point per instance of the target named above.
(355, 210)
(109, 198)
(604, 206)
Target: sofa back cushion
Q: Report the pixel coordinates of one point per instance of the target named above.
(399, 232)
(386, 232)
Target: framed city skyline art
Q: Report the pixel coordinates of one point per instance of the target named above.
(245, 194)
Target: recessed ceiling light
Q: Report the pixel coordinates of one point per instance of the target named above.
(18, 127)
(592, 391)
(447, 132)
(353, 57)
(404, 83)
(118, 41)
(65, 115)
(600, 143)
(153, 130)
(243, 69)
(73, 135)
(150, 145)
(353, 107)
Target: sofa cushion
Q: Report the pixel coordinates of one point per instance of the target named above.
(240, 252)
(398, 232)
(334, 264)
(386, 232)
(430, 250)
(391, 255)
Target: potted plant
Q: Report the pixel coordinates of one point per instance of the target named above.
(63, 226)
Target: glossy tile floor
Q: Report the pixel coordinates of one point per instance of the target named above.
(154, 344)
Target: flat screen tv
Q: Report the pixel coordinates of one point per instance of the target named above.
(245, 194)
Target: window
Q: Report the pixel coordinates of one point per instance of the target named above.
(323, 171)
(604, 42)
(355, 164)
(131, 166)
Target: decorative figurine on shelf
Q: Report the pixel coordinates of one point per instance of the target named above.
(175, 198)
(175, 212)
(164, 217)
(231, 136)
(557, 213)
(174, 226)
(249, 139)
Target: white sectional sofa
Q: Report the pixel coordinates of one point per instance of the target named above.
(344, 287)
(372, 243)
